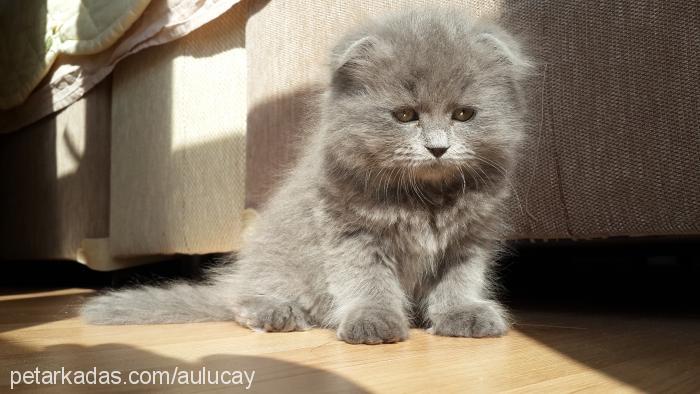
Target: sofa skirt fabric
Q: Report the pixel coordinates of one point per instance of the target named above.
(151, 162)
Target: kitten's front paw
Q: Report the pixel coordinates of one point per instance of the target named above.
(477, 320)
(373, 326)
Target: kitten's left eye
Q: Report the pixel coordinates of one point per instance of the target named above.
(463, 114)
(405, 115)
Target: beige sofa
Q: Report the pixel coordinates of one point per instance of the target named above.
(164, 157)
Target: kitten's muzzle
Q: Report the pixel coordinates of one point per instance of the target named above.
(436, 142)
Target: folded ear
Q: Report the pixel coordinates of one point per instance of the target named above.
(506, 50)
(353, 50)
(351, 60)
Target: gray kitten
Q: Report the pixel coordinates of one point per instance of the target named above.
(392, 216)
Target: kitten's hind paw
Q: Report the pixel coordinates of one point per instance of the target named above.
(477, 320)
(262, 314)
(373, 326)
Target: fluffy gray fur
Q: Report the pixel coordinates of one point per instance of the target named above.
(370, 233)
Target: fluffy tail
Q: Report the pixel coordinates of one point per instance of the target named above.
(175, 303)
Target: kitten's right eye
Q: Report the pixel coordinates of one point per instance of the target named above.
(405, 115)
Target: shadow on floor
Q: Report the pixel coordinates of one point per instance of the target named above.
(22, 286)
(31, 310)
(630, 310)
(270, 375)
(652, 354)
(120, 360)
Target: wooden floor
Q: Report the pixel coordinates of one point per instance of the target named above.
(546, 352)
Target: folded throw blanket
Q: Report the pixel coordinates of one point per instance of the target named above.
(84, 40)
(35, 32)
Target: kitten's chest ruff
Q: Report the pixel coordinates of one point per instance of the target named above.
(420, 243)
(419, 237)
